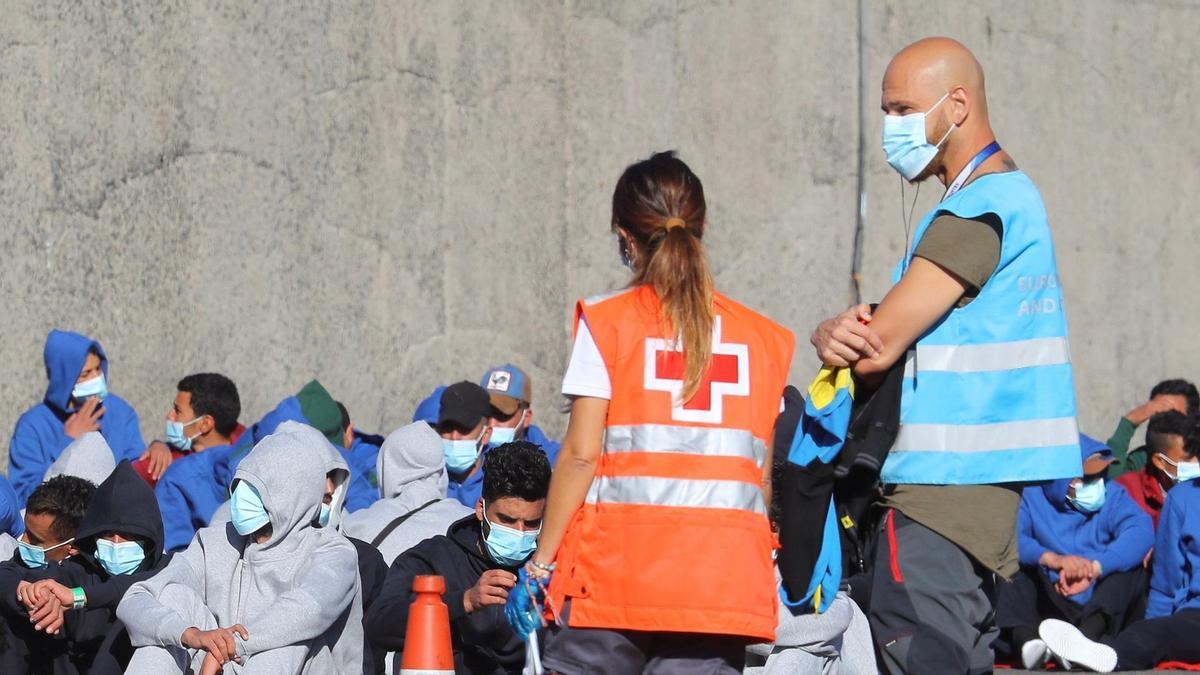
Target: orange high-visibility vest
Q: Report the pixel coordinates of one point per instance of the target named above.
(674, 535)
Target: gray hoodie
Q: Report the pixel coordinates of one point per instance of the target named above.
(295, 593)
(412, 473)
(87, 457)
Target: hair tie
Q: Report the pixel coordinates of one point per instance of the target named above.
(673, 223)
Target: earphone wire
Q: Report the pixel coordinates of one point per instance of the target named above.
(906, 217)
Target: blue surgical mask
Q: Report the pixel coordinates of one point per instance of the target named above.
(502, 435)
(460, 454)
(97, 386)
(508, 546)
(246, 509)
(1183, 470)
(1089, 495)
(907, 148)
(118, 559)
(323, 516)
(176, 436)
(34, 557)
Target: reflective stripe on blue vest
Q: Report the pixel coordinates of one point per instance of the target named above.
(988, 393)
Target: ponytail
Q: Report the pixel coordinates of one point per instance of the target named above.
(660, 204)
(678, 271)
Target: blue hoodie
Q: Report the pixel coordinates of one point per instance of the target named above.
(1118, 535)
(1175, 583)
(11, 521)
(38, 438)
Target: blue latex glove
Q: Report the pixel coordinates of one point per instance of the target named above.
(522, 609)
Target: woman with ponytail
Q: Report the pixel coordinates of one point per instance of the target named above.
(655, 544)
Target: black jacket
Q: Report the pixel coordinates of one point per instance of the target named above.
(92, 640)
(372, 571)
(483, 641)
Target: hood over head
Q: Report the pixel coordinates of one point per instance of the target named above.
(288, 470)
(430, 407)
(64, 355)
(125, 504)
(88, 457)
(412, 460)
(332, 461)
(1056, 490)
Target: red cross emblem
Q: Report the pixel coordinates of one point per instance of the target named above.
(728, 375)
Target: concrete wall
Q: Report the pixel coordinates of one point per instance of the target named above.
(389, 195)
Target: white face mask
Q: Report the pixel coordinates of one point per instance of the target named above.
(907, 147)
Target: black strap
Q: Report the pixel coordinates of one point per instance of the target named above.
(391, 527)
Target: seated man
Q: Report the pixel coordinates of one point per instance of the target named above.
(293, 609)
(77, 401)
(462, 424)
(120, 543)
(1170, 462)
(511, 419)
(199, 423)
(1177, 394)
(1081, 545)
(412, 485)
(478, 558)
(52, 517)
(360, 451)
(1173, 614)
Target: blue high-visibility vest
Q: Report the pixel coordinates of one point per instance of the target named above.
(988, 393)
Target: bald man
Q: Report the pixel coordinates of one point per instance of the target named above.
(975, 319)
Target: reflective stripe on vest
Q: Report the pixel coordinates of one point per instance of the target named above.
(681, 492)
(1049, 351)
(986, 437)
(706, 441)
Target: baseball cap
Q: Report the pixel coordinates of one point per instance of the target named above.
(507, 386)
(1096, 455)
(465, 404)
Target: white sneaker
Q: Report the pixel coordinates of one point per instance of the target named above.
(1069, 644)
(1034, 654)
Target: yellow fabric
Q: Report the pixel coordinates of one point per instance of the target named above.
(825, 386)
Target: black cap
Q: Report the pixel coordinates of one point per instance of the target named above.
(464, 404)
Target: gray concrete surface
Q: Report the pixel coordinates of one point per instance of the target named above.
(389, 195)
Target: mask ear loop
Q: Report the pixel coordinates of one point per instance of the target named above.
(906, 217)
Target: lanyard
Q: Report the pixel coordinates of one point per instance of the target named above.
(991, 149)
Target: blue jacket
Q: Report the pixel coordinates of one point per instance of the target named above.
(468, 490)
(1175, 584)
(39, 439)
(10, 510)
(1118, 535)
(190, 491)
(363, 490)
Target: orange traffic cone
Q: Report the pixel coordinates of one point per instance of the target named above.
(427, 640)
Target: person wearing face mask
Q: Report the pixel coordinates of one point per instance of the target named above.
(199, 426)
(463, 425)
(1170, 462)
(52, 518)
(1168, 633)
(119, 542)
(1175, 394)
(656, 552)
(976, 319)
(478, 557)
(269, 591)
(511, 393)
(360, 450)
(1082, 542)
(77, 401)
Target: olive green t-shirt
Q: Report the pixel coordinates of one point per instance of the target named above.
(981, 519)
